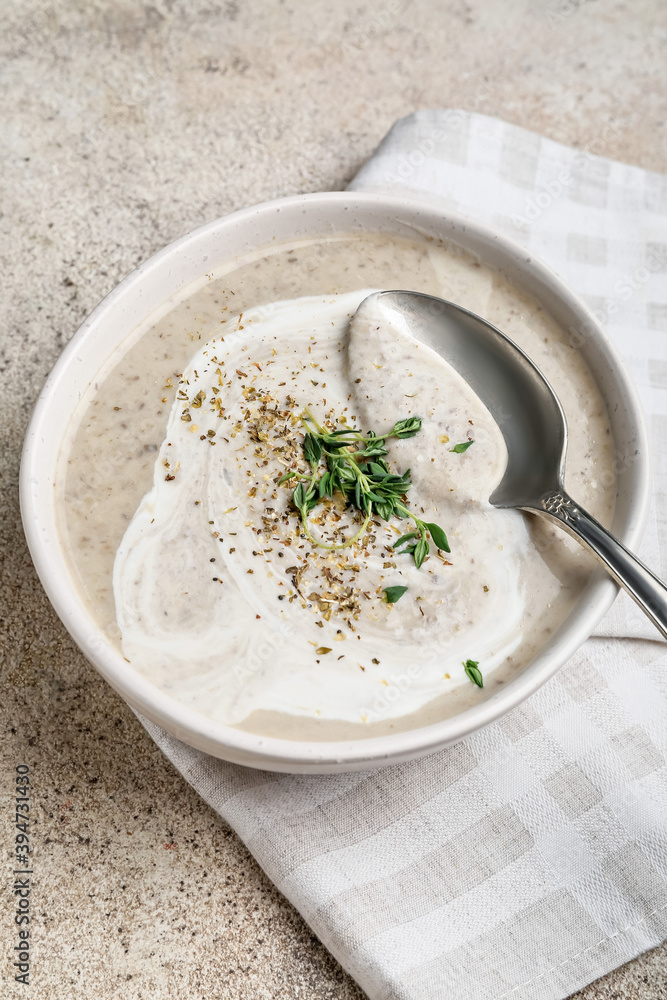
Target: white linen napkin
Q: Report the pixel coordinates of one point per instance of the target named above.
(531, 858)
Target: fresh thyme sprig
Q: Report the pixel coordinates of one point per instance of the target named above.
(355, 467)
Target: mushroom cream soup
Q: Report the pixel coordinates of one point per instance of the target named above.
(212, 542)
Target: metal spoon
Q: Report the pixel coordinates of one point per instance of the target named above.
(533, 424)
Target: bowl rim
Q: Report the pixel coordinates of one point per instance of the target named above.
(271, 753)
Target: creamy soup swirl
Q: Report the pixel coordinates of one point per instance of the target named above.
(189, 551)
(224, 600)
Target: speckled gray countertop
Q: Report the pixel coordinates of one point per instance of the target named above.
(125, 125)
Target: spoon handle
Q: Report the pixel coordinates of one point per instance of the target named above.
(642, 585)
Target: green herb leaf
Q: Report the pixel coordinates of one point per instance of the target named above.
(299, 497)
(394, 593)
(373, 448)
(406, 538)
(312, 449)
(385, 510)
(288, 475)
(473, 672)
(304, 498)
(438, 536)
(421, 551)
(407, 428)
(460, 448)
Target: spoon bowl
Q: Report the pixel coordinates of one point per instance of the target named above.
(515, 392)
(534, 427)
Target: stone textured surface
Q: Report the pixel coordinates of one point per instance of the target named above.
(126, 124)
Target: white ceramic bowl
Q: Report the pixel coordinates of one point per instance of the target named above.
(163, 277)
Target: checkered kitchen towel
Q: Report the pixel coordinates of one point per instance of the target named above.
(531, 858)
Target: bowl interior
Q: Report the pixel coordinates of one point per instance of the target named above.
(176, 271)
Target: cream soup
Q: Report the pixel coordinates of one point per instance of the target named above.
(187, 545)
